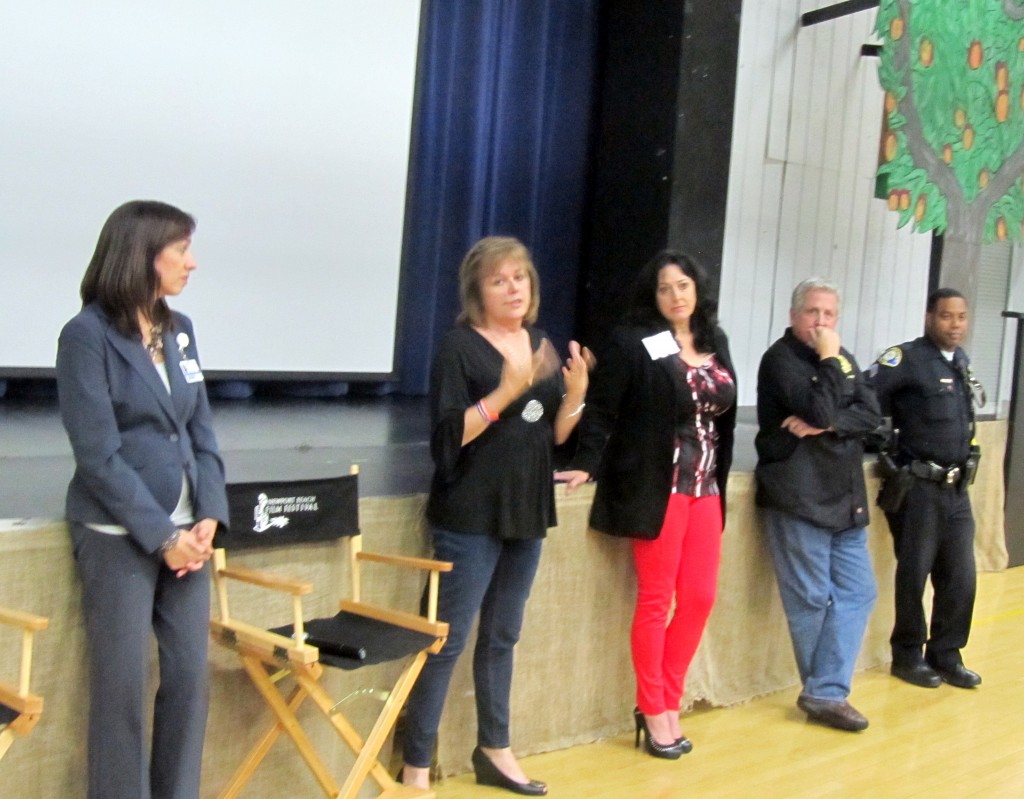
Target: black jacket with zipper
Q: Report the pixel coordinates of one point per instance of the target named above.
(819, 478)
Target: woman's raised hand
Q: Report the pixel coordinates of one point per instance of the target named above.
(576, 371)
(518, 375)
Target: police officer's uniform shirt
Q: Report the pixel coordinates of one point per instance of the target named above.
(926, 393)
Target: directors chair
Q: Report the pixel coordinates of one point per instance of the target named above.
(360, 634)
(19, 708)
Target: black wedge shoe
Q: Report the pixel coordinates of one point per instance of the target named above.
(672, 751)
(489, 774)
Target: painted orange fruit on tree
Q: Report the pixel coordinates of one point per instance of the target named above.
(957, 67)
(974, 54)
(1002, 105)
(926, 52)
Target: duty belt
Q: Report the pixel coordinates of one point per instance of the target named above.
(929, 470)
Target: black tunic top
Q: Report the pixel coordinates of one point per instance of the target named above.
(500, 483)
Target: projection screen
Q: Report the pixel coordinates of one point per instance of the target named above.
(284, 128)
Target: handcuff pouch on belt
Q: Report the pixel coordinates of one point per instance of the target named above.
(971, 465)
(896, 482)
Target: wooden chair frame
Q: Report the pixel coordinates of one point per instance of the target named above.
(267, 657)
(17, 696)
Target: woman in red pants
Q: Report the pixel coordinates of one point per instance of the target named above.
(657, 434)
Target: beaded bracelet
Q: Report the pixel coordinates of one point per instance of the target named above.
(486, 413)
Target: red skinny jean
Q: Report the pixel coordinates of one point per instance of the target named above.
(682, 562)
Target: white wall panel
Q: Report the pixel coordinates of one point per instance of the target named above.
(805, 144)
(775, 20)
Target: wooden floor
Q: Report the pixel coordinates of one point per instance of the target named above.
(927, 743)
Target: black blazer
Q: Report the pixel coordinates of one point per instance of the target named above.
(627, 434)
(131, 439)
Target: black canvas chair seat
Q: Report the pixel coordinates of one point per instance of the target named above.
(7, 715)
(350, 641)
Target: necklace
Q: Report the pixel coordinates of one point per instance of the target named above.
(155, 345)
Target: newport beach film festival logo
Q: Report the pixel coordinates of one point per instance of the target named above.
(271, 512)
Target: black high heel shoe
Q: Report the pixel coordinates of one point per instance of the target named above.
(489, 774)
(672, 751)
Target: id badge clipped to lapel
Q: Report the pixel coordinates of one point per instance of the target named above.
(190, 369)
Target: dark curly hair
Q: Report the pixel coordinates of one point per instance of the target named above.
(643, 304)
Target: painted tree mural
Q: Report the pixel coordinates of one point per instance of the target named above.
(952, 155)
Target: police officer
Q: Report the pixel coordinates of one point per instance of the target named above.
(926, 386)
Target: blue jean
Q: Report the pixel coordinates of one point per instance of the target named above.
(827, 589)
(492, 577)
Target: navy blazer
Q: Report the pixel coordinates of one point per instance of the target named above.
(627, 434)
(131, 439)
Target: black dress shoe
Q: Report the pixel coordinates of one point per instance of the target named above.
(959, 675)
(672, 751)
(919, 674)
(489, 774)
(833, 713)
(681, 746)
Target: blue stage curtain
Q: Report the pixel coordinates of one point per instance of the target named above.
(501, 146)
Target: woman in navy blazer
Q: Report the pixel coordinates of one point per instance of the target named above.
(145, 501)
(657, 433)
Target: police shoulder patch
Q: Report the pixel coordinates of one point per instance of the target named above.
(891, 357)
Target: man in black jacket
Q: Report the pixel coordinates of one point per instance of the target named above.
(814, 409)
(927, 387)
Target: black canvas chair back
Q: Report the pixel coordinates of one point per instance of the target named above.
(285, 513)
(361, 634)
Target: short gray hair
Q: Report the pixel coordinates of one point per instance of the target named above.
(804, 287)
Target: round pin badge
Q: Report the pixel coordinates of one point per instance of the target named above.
(533, 411)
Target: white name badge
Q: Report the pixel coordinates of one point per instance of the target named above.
(661, 345)
(190, 369)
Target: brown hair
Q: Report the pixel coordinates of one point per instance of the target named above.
(483, 258)
(121, 276)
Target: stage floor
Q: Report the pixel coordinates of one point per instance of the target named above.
(263, 438)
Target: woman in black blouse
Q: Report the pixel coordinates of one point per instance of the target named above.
(658, 433)
(498, 404)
